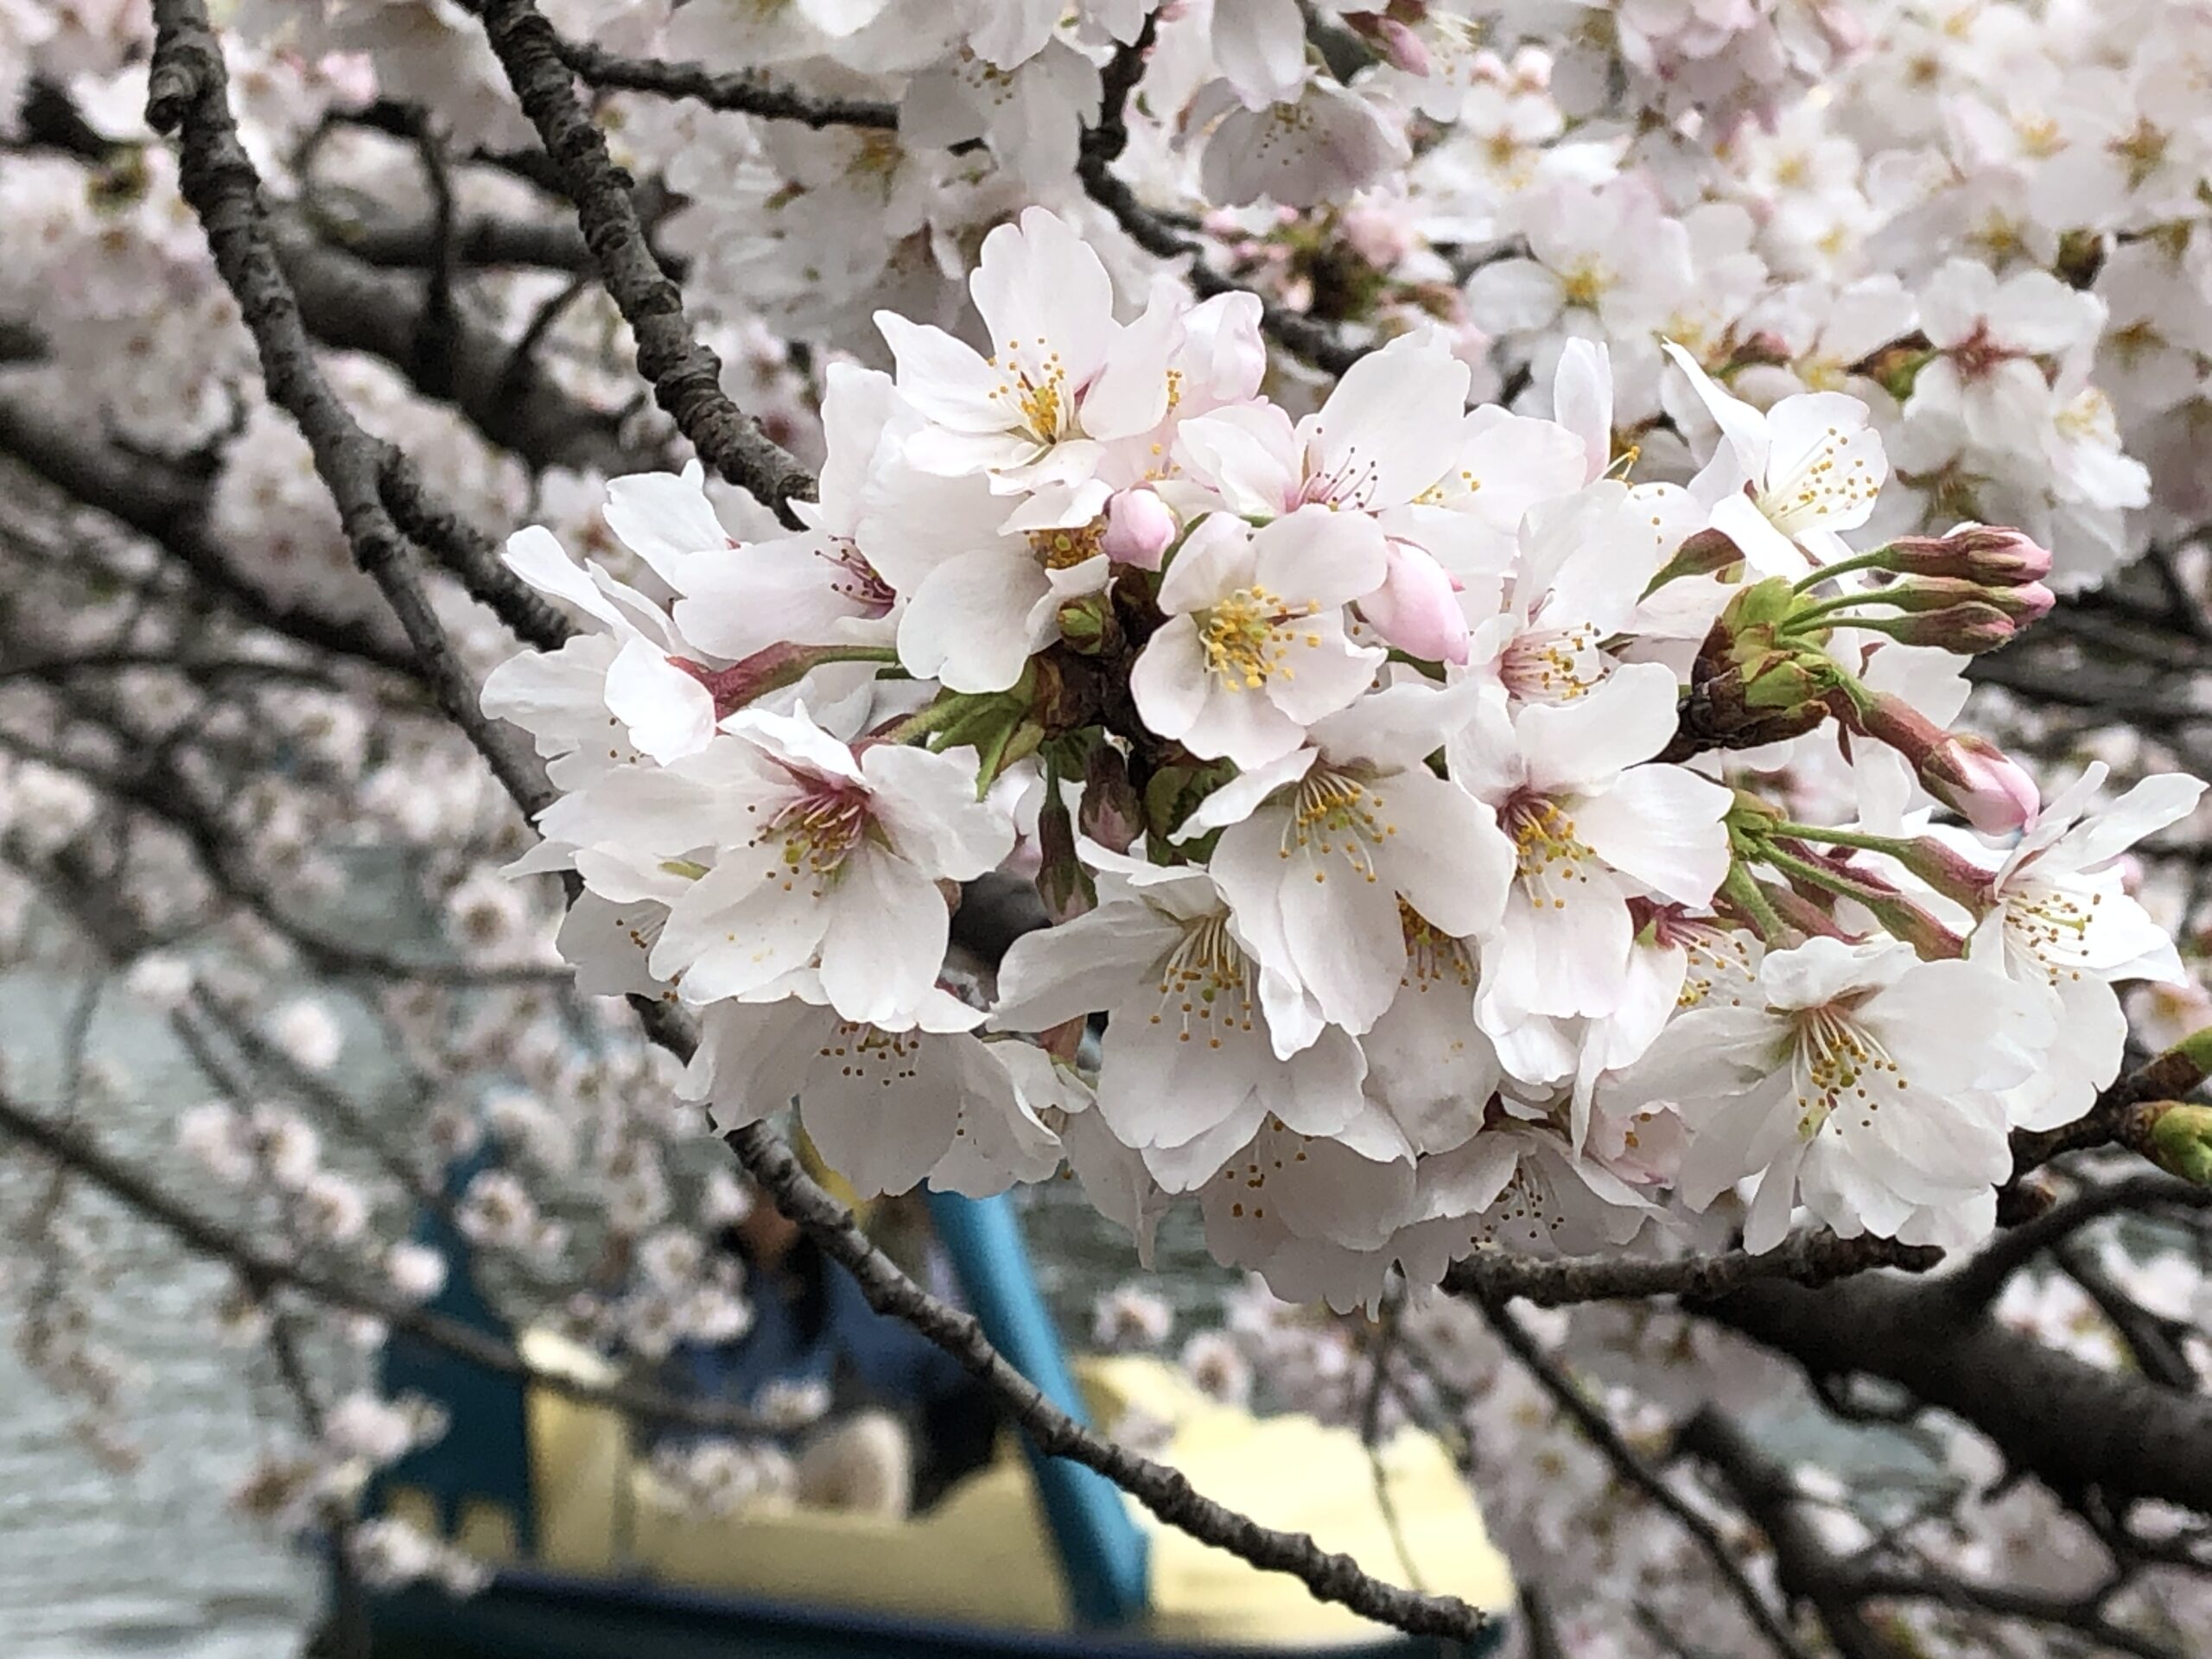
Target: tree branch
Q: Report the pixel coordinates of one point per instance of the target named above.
(2074, 1426)
(1598, 1430)
(1162, 1490)
(170, 512)
(686, 376)
(1808, 1572)
(1808, 1258)
(748, 92)
(262, 1267)
(1978, 1282)
(1102, 145)
(187, 94)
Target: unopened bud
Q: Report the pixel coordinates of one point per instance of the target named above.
(1417, 608)
(1982, 784)
(1062, 881)
(1139, 529)
(1975, 779)
(1111, 814)
(1968, 629)
(1703, 554)
(1089, 624)
(1986, 554)
(2181, 1142)
(1378, 234)
(2028, 603)
(1765, 349)
(1402, 46)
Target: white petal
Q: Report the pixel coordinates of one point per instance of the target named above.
(665, 519)
(1661, 825)
(669, 713)
(928, 804)
(885, 942)
(968, 625)
(1584, 746)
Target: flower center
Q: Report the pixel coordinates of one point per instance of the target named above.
(1548, 856)
(1349, 483)
(1206, 978)
(1335, 812)
(1584, 282)
(1980, 353)
(1433, 957)
(856, 579)
(1553, 665)
(2047, 929)
(1035, 392)
(819, 827)
(1247, 637)
(1838, 1063)
(1064, 548)
(1819, 489)
(865, 1051)
(1523, 1216)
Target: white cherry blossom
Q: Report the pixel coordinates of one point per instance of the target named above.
(1255, 648)
(1322, 852)
(1877, 1070)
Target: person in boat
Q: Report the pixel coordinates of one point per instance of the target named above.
(904, 1420)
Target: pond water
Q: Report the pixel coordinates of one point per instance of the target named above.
(97, 1562)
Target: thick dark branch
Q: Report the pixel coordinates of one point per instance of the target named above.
(1598, 1430)
(349, 304)
(686, 376)
(478, 242)
(187, 94)
(1810, 1258)
(2059, 1418)
(746, 93)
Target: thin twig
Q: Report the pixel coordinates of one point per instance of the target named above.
(1598, 1430)
(267, 1267)
(1976, 1284)
(746, 92)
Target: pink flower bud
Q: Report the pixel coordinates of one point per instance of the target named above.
(1377, 235)
(1972, 777)
(1980, 553)
(2029, 602)
(1984, 785)
(1968, 629)
(1139, 529)
(1401, 46)
(1417, 608)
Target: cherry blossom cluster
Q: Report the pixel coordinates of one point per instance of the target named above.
(1422, 804)
(1505, 795)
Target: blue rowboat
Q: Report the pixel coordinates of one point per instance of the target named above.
(1025, 1556)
